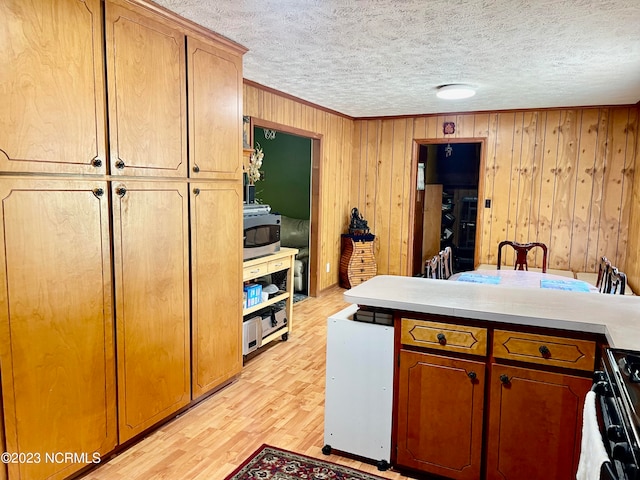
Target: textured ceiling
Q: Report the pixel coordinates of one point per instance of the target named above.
(386, 57)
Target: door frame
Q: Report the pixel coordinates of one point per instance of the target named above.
(316, 184)
(417, 142)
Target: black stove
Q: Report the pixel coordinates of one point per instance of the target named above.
(618, 389)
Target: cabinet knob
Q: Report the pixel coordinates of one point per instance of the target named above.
(98, 192)
(96, 162)
(196, 168)
(119, 164)
(472, 375)
(121, 191)
(196, 191)
(505, 379)
(544, 351)
(442, 340)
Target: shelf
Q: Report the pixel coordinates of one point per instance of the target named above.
(280, 296)
(273, 335)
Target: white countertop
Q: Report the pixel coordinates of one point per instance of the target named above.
(615, 316)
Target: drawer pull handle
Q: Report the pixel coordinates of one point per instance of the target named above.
(472, 375)
(255, 271)
(504, 379)
(278, 264)
(442, 340)
(544, 351)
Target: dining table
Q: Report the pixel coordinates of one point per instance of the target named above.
(523, 278)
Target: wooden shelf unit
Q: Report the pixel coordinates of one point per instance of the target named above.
(259, 267)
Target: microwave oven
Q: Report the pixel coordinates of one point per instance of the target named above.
(261, 235)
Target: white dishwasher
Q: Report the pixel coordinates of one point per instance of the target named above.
(359, 388)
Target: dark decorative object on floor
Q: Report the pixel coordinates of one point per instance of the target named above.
(272, 462)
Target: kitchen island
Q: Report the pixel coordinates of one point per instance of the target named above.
(615, 316)
(489, 382)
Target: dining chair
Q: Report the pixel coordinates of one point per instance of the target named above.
(617, 281)
(604, 266)
(522, 249)
(432, 268)
(446, 263)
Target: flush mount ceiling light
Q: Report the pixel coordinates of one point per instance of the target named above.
(455, 92)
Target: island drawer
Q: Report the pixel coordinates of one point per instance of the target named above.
(254, 271)
(280, 264)
(444, 336)
(544, 349)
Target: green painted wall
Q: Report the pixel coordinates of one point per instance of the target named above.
(287, 173)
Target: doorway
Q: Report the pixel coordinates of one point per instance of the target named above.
(446, 206)
(290, 184)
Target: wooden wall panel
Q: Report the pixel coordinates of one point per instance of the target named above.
(632, 264)
(500, 229)
(563, 176)
(582, 208)
(339, 171)
(383, 215)
(564, 192)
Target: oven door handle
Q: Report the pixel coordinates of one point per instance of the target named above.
(607, 473)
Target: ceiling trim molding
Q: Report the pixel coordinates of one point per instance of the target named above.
(186, 23)
(251, 83)
(485, 112)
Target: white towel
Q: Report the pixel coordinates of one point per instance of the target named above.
(592, 451)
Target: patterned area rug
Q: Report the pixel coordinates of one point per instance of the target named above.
(276, 464)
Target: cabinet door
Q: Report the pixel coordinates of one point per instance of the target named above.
(215, 111)
(151, 261)
(56, 324)
(535, 421)
(216, 278)
(439, 422)
(146, 80)
(52, 113)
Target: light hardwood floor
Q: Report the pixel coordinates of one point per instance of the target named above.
(278, 400)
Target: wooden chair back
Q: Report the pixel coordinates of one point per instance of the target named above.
(432, 268)
(522, 249)
(603, 274)
(446, 263)
(610, 280)
(617, 281)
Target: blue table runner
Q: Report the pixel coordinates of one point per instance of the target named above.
(571, 285)
(474, 278)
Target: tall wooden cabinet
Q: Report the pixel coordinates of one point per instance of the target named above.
(151, 264)
(146, 80)
(120, 292)
(216, 350)
(56, 322)
(215, 104)
(53, 87)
